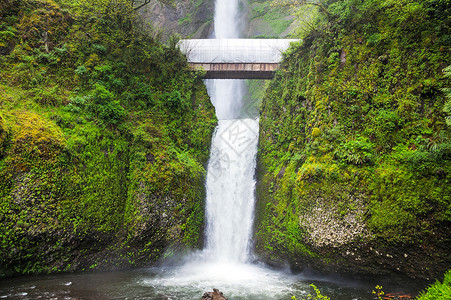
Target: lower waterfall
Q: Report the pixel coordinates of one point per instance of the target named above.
(230, 190)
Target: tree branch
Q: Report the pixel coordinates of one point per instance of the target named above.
(142, 5)
(164, 2)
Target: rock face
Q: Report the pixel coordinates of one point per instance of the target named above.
(190, 19)
(341, 184)
(80, 193)
(215, 295)
(264, 20)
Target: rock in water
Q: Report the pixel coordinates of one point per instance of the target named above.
(215, 295)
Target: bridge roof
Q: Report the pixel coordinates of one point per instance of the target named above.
(234, 50)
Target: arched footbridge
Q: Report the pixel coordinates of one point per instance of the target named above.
(235, 58)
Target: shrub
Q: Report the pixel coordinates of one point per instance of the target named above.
(112, 112)
(81, 71)
(77, 104)
(175, 102)
(7, 37)
(46, 96)
(438, 290)
(357, 151)
(100, 49)
(105, 107)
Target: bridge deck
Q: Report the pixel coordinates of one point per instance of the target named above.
(237, 70)
(235, 58)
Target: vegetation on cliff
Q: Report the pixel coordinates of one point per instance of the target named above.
(438, 290)
(104, 135)
(354, 159)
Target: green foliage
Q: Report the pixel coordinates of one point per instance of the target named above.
(103, 106)
(267, 21)
(447, 91)
(357, 112)
(438, 290)
(175, 102)
(102, 130)
(7, 34)
(356, 151)
(317, 296)
(119, 13)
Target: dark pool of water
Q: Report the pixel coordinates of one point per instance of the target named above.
(251, 282)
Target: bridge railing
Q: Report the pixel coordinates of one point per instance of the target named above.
(234, 50)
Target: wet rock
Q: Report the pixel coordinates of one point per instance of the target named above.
(328, 226)
(215, 295)
(187, 18)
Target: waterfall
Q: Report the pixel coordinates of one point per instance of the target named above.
(230, 190)
(226, 95)
(227, 19)
(225, 262)
(230, 176)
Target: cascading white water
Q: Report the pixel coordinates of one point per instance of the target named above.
(224, 262)
(226, 19)
(230, 190)
(230, 176)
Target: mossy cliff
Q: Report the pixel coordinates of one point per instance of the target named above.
(104, 136)
(354, 163)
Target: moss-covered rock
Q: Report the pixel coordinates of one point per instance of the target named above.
(354, 159)
(104, 140)
(4, 135)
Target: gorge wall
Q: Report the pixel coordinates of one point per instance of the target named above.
(104, 138)
(354, 164)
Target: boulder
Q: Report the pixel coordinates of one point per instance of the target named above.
(215, 295)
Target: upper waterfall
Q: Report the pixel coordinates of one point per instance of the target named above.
(226, 95)
(226, 19)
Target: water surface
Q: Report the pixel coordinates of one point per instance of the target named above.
(190, 281)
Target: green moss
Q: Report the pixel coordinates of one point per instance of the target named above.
(104, 137)
(356, 111)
